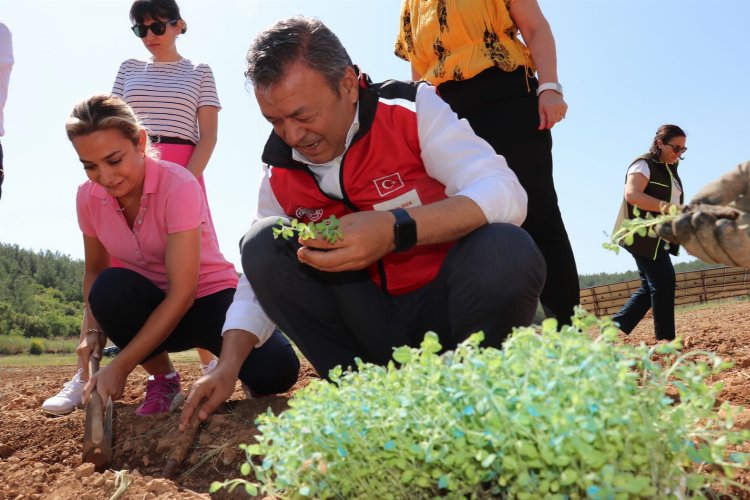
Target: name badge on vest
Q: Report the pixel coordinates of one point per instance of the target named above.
(406, 200)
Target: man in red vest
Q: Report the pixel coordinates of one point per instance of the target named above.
(430, 218)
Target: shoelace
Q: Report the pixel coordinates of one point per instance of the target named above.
(69, 388)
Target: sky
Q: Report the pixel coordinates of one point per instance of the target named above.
(626, 67)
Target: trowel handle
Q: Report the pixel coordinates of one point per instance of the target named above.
(93, 365)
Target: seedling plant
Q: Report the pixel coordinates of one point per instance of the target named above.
(330, 229)
(554, 414)
(641, 226)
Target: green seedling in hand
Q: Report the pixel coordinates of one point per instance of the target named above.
(641, 226)
(330, 229)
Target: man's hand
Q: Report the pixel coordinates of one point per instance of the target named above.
(368, 236)
(214, 388)
(715, 226)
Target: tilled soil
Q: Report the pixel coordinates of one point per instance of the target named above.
(40, 456)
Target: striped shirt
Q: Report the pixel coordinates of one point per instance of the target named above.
(166, 95)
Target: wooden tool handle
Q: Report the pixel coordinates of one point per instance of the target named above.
(93, 365)
(97, 433)
(182, 444)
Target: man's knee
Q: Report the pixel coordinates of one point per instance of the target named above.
(505, 256)
(258, 247)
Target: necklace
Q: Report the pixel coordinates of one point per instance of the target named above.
(124, 207)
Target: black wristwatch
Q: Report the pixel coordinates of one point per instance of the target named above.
(404, 230)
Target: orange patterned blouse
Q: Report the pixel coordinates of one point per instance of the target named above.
(457, 39)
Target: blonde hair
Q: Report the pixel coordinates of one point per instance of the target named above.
(105, 112)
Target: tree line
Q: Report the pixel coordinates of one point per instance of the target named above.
(41, 292)
(590, 280)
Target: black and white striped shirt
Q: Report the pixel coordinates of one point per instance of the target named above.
(166, 95)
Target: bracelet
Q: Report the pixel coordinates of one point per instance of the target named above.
(94, 330)
(549, 86)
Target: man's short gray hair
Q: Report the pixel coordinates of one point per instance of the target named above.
(296, 39)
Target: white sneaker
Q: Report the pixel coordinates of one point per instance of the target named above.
(68, 399)
(206, 369)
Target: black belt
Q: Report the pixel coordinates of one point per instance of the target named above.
(165, 139)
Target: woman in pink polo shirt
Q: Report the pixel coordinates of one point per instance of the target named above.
(172, 286)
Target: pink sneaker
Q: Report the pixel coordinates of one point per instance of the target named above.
(163, 394)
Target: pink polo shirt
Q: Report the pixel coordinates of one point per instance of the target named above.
(172, 201)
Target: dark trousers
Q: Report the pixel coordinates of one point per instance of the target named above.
(122, 300)
(489, 281)
(504, 112)
(656, 292)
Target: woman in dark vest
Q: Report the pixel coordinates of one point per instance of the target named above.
(653, 185)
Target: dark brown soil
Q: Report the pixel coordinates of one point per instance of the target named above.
(40, 456)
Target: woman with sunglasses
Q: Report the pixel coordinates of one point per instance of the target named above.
(172, 286)
(175, 98)
(652, 185)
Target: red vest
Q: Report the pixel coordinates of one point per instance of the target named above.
(381, 170)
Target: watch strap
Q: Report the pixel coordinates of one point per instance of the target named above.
(549, 86)
(404, 230)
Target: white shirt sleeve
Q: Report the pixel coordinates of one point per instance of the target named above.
(268, 205)
(640, 167)
(118, 87)
(465, 163)
(246, 314)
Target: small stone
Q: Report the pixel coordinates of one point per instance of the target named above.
(217, 423)
(97, 480)
(5, 450)
(159, 486)
(228, 456)
(84, 470)
(164, 444)
(109, 483)
(145, 460)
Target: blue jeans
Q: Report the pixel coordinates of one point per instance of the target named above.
(656, 292)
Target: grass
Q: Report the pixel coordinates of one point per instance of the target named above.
(22, 358)
(13, 344)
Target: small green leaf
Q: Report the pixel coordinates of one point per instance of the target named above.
(245, 469)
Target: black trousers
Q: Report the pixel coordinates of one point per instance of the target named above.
(489, 281)
(122, 300)
(656, 292)
(504, 112)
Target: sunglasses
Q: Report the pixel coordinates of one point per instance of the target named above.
(676, 149)
(158, 28)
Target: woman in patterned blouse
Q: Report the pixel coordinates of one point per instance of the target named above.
(471, 50)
